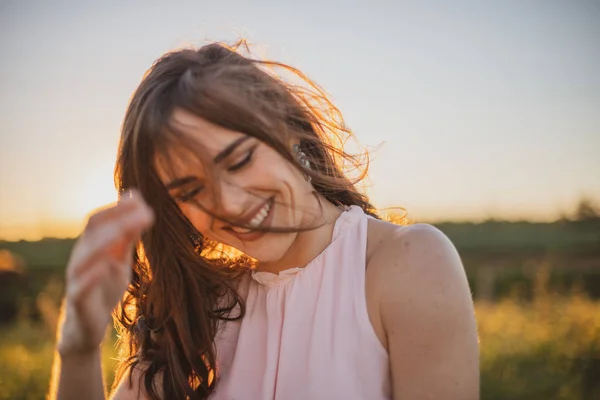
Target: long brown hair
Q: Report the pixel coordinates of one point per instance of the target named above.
(181, 289)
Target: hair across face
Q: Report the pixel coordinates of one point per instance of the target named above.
(193, 105)
(239, 191)
(208, 140)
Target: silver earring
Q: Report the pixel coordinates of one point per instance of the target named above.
(303, 160)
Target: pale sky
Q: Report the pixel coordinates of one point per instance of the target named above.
(477, 109)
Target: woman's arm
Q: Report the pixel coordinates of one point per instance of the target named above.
(77, 376)
(97, 275)
(428, 316)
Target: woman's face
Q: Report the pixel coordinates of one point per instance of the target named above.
(242, 180)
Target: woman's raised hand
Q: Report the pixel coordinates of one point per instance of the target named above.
(99, 272)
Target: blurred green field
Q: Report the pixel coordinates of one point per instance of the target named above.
(546, 349)
(537, 290)
(26, 354)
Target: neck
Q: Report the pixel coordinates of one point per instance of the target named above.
(308, 244)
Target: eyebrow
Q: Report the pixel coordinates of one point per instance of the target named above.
(226, 152)
(179, 182)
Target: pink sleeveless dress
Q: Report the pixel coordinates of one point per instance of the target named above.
(306, 334)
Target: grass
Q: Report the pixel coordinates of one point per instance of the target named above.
(536, 346)
(545, 349)
(26, 354)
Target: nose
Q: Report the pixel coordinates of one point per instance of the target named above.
(230, 200)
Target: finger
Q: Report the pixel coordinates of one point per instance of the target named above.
(85, 283)
(128, 226)
(123, 248)
(120, 272)
(97, 226)
(117, 275)
(125, 205)
(108, 242)
(101, 242)
(111, 212)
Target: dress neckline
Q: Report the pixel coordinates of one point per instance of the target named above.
(271, 279)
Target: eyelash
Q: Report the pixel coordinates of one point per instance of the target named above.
(244, 162)
(187, 196)
(190, 194)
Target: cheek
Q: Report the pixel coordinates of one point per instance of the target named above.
(198, 218)
(276, 170)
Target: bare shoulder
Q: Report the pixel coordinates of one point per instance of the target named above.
(395, 249)
(418, 254)
(415, 264)
(418, 289)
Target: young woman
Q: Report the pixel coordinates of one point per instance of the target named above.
(259, 271)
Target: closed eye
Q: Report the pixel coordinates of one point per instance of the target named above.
(188, 195)
(244, 161)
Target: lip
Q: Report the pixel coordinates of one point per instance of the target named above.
(254, 235)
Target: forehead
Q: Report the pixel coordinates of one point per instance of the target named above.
(198, 142)
(210, 137)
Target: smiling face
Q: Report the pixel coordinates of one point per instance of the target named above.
(243, 181)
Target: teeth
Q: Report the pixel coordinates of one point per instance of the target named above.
(256, 221)
(261, 215)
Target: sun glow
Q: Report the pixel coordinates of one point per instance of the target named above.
(60, 209)
(96, 191)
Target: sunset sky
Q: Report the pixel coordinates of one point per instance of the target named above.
(476, 109)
